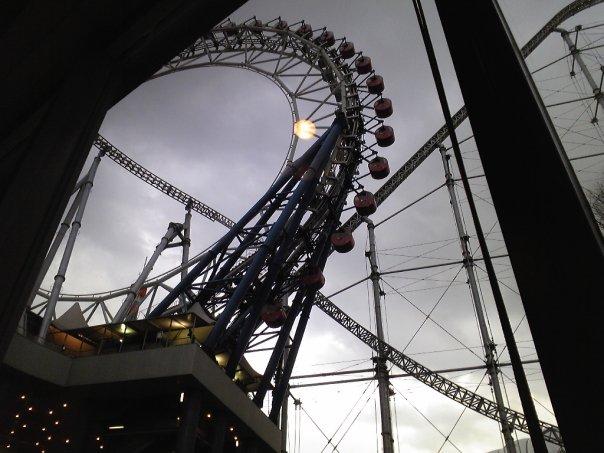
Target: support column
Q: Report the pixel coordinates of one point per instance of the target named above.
(487, 342)
(73, 234)
(186, 245)
(125, 310)
(56, 243)
(283, 384)
(187, 431)
(596, 89)
(381, 368)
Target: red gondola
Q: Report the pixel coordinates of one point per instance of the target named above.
(379, 168)
(347, 50)
(365, 203)
(384, 135)
(342, 240)
(305, 31)
(375, 84)
(327, 38)
(313, 279)
(363, 65)
(273, 315)
(383, 107)
(281, 25)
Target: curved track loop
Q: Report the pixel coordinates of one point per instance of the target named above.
(435, 381)
(160, 184)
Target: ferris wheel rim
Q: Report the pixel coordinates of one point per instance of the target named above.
(345, 104)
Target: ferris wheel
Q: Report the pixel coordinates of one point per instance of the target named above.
(265, 273)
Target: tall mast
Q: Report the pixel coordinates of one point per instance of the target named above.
(381, 369)
(487, 341)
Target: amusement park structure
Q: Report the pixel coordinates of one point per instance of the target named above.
(181, 337)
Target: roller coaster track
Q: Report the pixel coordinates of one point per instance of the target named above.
(432, 379)
(160, 184)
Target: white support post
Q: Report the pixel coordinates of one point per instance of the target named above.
(381, 368)
(126, 307)
(52, 251)
(186, 246)
(73, 234)
(487, 341)
(576, 53)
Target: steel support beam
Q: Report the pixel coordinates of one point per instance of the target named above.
(381, 367)
(286, 235)
(126, 310)
(56, 242)
(309, 180)
(487, 341)
(555, 247)
(73, 234)
(576, 53)
(186, 246)
(224, 242)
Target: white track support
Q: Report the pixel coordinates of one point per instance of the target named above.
(73, 234)
(124, 310)
(381, 368)
(576, 53)
(186, 246)
(52, 251)
(487, 341)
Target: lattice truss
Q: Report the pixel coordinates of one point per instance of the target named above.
(571, 88)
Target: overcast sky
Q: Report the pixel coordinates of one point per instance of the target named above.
(221, 134)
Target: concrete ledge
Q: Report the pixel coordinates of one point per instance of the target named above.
(177, 361)
(38, 360)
